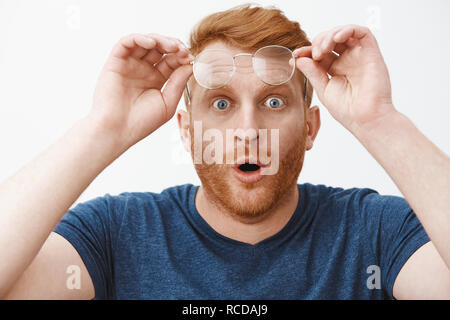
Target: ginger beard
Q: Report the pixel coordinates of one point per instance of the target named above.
(251, 200)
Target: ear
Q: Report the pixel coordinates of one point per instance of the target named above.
(183, 118)
(312, 125)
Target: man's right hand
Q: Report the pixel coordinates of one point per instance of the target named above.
(129, 104)
(129, 101)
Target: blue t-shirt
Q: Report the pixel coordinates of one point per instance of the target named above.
(339, 244)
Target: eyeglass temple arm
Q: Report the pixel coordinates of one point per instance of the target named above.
(188, 94)
(306, 89)
(304, 97)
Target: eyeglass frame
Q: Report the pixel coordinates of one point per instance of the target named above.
(234, 70)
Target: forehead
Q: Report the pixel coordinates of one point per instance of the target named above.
(220, 45)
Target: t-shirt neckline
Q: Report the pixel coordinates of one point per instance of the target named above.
(290, 227)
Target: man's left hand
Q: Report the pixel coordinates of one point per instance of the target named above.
(347, 70)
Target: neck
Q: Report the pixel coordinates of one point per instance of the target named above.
(248, 230)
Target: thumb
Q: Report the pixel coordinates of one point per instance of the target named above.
(315, 74)
(174, 88)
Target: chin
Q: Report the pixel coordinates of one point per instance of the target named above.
(245, 200)
(255, 203)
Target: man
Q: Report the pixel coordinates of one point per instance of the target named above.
(242, 234)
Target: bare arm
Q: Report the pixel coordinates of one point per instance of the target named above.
(422, 173)
(419, 169)
(358, 95)
(50, 274)
(34, 200)
(129, 104)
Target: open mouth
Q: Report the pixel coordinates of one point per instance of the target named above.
(248, 172)
(248, 167)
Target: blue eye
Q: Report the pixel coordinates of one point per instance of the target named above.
(221, 104)
(274, 103)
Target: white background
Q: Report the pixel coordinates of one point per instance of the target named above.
(51, 53)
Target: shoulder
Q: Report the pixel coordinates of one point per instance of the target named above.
(179, 193)
(359, 201)
(325, 193)
(169, 199)
(128, 205)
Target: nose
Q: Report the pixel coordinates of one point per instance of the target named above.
(247, 123)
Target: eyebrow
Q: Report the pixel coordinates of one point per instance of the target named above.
(261, 88)
(284, 86)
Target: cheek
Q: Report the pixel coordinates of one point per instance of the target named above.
(206, 119)
(291, 134)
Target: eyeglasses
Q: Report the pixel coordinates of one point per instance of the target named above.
(214, 68)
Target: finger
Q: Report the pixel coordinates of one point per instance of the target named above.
(164, 67)
(182, 49)
(153, 56)
(305, 51)
(182, 46)
(138, 45)
(340, 48)
(315, 44)
(351, 31)
(325, 45)
(315, 73)
(170, 62)
(328, 44)
(164, 44)
(133, 45)
(174, 88)
(327, 61)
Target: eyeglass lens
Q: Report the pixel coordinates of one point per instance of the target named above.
(214, 68)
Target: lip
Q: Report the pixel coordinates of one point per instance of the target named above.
(248, 160)
(247, 177)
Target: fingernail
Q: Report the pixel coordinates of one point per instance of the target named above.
(337, 35)
(315, 52)
(182, 46)
(174, 44)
